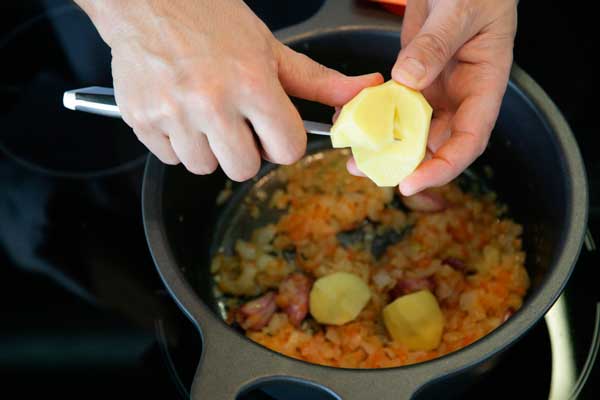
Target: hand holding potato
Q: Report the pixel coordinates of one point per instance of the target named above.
(459, 54)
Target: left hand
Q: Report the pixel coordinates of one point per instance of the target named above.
(459, 53)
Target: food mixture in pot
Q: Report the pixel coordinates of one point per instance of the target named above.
(352, 275)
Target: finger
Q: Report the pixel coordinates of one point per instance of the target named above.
(336, 114)
(305, 78)
(445, 165)
(265, 156)
(233, 144)
(471, 128)
(277, 124)
(353, 168)
(414, 18)
(193, 150)
(428, 155)
(439, 130)
(159, 145)
(153, 136)
(443, 33)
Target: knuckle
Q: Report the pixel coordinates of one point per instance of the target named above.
(435, 46)
(404, 38)
(291, 154)
(469, 10)
(253, 78)
(165, 154)
(478, 142)
(127, 114)
(482, 146)
(208, 99)
(164, 109)
(204, 167)
(170, 159)
(480, 149)
(147, 115)
(319, 70)
(138, 121)
(243, 174)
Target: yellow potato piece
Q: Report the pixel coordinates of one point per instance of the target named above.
(386, 163)
(338, 298)
(366, 121)
(389, 166)
(415, 320)
(339, 139)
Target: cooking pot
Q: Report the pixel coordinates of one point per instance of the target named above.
(538, 173)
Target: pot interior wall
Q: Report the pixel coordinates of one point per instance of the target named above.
(527, 162)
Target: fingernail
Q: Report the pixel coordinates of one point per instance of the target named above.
(409, 71)
(375, 75)
(406, 189)
(353, 168)
(336, 114)
(371, 76)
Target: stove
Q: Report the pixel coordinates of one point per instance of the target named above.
(84, 313)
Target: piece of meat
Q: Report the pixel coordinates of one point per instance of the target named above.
(459, 265)
(455, 263)
(409, 285)
(293, 297)
(257, 313)
(427, 201)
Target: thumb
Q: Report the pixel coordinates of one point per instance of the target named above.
(420, 62)
(305, 78)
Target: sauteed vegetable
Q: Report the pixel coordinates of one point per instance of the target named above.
(431, 273)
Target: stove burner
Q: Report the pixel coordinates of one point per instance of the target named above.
(39, 132)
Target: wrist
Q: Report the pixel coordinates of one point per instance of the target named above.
(106, 15)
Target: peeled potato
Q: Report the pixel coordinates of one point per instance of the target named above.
(388, 167)
(338, 298)
(394, 111)
(415, 320)
(366, 121)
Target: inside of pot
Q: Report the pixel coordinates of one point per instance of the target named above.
(526, 159)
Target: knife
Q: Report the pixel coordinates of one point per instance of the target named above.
(101, 101)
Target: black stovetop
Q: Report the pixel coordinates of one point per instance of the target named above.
(84, 314)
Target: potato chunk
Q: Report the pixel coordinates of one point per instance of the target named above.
(367, 120)
(415, 320)
(338, 298)
(387, 127)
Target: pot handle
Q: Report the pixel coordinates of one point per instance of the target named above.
(231, 364)
(334, 14)
(226, 375)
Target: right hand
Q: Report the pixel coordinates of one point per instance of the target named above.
(194, 78)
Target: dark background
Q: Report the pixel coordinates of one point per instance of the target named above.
(82, 343)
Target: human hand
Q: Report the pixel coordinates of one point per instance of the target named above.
(459, 53)
(194, 79)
